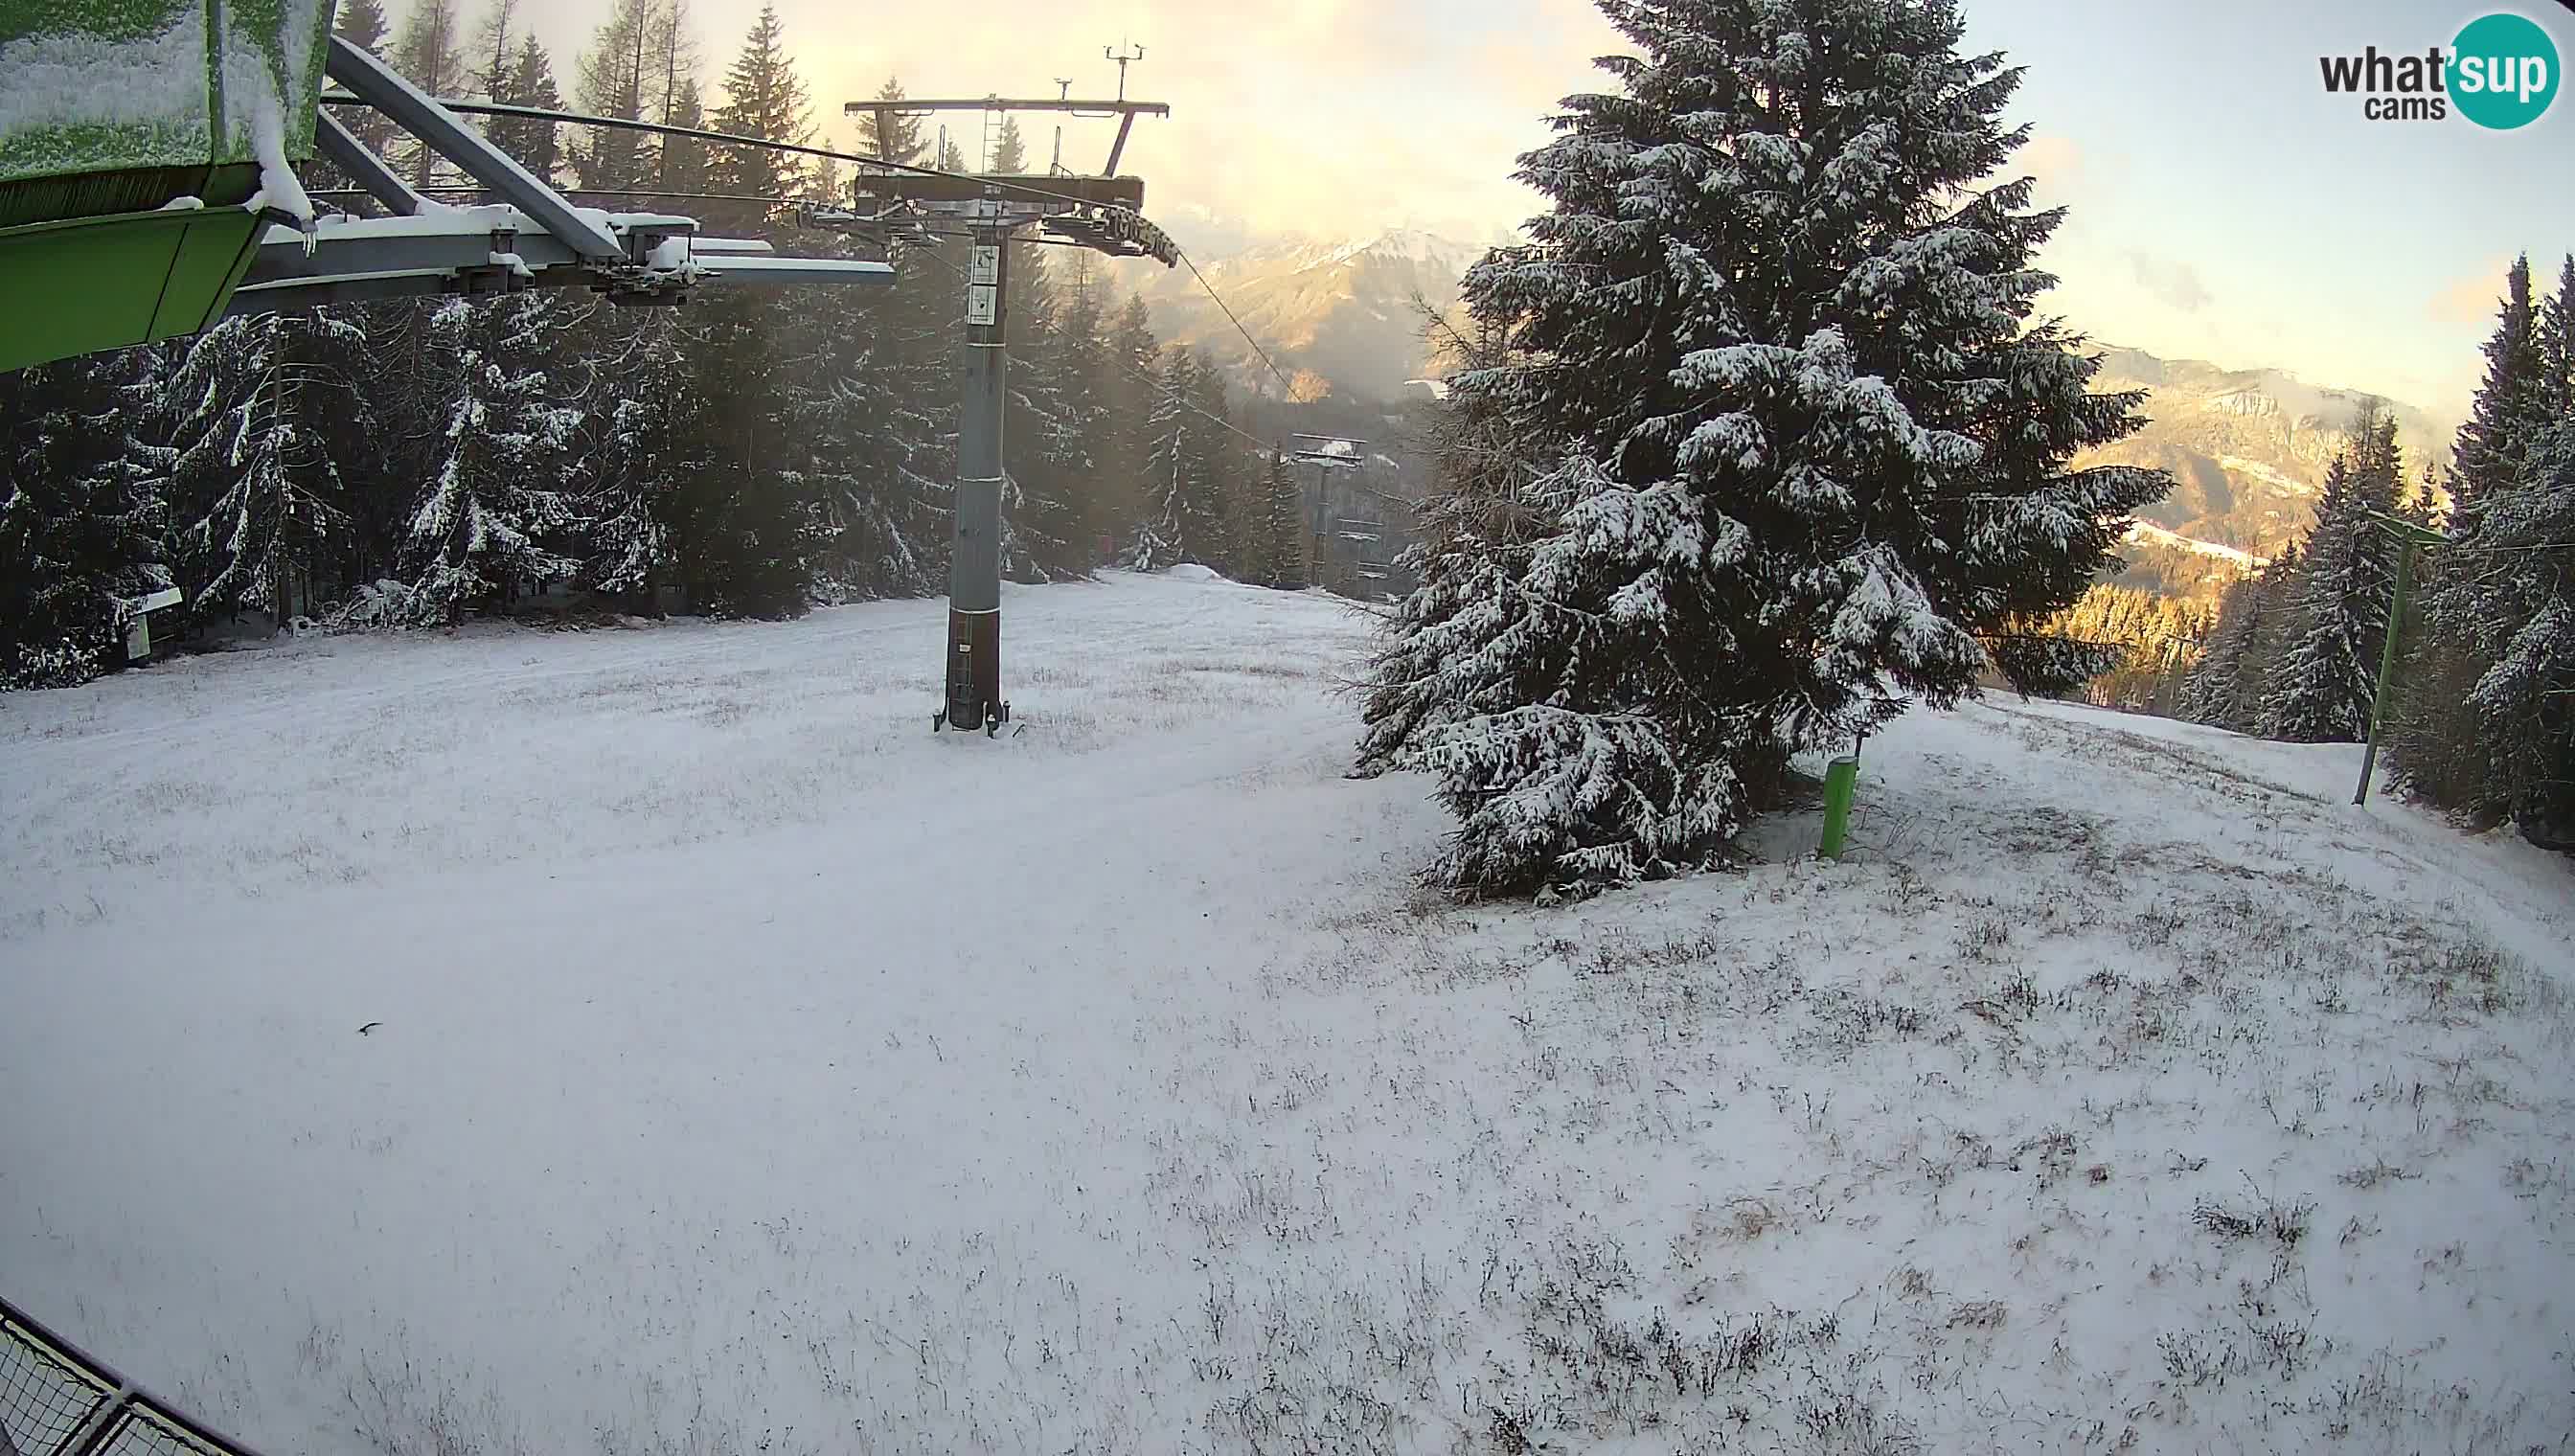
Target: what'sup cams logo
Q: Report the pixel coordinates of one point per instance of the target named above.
(2500, 72)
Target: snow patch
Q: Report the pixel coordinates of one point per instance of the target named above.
(669, 255)
(57, 80)
(2148, 534)
(279, 188)
(2269, 474)
(258, 100)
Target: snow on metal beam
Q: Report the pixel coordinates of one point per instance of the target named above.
(364, 167)
(494, 247)
(372, 82)
(914, 105)
(733, 269)
(437, 242)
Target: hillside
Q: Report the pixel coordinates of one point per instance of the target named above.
(2247, 448)
(1343, 311)
(747, 1069)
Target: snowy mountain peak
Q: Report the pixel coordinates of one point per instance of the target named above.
(1343, 308)
(2247, 450)
(1420, 247)
(1396, 245)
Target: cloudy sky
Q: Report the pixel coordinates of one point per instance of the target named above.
(2223, 206)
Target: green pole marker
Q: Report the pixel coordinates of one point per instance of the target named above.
(2386, 670)
(2410, 535)
(1842, 778)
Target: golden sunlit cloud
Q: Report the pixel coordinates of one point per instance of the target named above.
(2054, 160)
(2472, 299)
(1319, 117)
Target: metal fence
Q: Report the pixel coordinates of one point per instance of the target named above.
(57, 1401)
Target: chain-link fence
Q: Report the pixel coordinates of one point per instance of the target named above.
(56, 1401)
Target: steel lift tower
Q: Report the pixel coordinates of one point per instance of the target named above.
(1104, 213)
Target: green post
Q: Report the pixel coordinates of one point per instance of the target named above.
(1842, 778)
(2386, 665)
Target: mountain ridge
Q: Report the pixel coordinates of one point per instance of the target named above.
(2247, 448)
(1338, 315)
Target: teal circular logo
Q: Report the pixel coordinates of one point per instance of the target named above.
(2503, 71)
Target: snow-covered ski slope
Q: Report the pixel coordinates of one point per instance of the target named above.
(751, 1070)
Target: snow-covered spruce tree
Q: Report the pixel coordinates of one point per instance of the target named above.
(1279, 539)
(1178, 522)
(2444, 746)
(2557, 347)
(1043, 450)
(764, 97)
(1816, 438)
(1130, 392)
(893, 528)
(2436, 747)
(2208, 696)
(2322, 688)
(1221, 493)
(748, 530)
(1084, 391)
(2510, 404)
(492, 513)
(2513, 585)
(1490, 507)
(2526, 701)
(529, 81)
(642, 438)
(80, 529)
(910, 381)
(252, 476)
(875, 517)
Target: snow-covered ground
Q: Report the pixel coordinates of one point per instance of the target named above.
(751, 1070)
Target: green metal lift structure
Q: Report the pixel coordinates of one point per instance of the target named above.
(148, 189)
(148, 185)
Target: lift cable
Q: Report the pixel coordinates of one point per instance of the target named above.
(1138, 374)
(574, 118)
(1158, 386)
(1147, 380)
(1287, 390)
(731, 139)
(1263, 446)
(468, 189)
(471, 189)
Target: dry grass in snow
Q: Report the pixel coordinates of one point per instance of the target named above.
(758, 1072)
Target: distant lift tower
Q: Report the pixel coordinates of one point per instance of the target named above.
(1327, 453)
(1105, 213)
